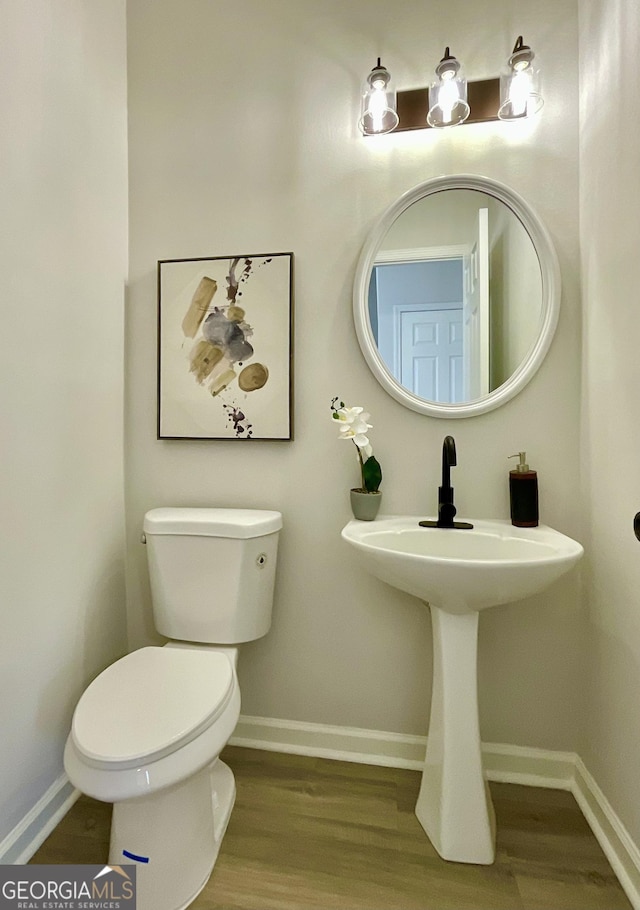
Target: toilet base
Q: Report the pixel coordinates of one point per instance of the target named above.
(173, 837)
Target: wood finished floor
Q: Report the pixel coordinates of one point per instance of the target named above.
(314, 834)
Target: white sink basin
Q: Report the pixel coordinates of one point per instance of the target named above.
(462, 571)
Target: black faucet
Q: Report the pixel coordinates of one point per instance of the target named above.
(446, 508)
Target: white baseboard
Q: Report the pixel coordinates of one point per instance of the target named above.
(369, 747)
(510, 764)
(616, 842)
(503, 763)
(22, 842)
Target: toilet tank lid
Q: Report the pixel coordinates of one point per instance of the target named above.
(201, 522)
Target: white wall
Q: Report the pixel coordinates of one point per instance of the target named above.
(243, 140)
(63, 263)
(610, 147)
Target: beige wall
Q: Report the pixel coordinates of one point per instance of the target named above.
(610, 147)
(243, 140)
(63, 253)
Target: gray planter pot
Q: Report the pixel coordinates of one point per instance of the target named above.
(365, 506)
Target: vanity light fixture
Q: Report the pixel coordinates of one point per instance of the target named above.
(520, 85)
(448, 104)
(378, 112)
(451, 100)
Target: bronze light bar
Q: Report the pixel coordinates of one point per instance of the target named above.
(483, 98)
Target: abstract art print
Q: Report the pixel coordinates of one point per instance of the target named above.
(225, 347)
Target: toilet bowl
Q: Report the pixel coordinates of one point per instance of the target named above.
(152, 719)
(147, 733)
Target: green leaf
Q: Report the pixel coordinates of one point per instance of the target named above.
(371, 474)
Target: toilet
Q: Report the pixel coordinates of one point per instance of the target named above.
(147, 733)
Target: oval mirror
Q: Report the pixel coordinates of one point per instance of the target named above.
(456, 296)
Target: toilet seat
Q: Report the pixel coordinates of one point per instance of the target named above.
(149, 704)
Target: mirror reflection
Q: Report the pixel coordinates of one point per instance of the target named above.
(455, 299)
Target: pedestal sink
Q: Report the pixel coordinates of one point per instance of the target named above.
(459, 573)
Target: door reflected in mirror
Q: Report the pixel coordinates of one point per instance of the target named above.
(455, 296)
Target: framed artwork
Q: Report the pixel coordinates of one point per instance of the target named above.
(225, 347)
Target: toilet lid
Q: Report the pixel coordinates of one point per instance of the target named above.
(149, 703)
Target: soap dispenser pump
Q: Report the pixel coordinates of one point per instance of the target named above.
(523, 493)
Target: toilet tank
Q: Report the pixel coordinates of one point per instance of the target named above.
(212, 572)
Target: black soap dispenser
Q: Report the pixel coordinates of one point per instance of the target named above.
(523, 493)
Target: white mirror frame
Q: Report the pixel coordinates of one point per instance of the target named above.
(551, 290)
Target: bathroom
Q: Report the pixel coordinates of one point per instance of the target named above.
(166, 129)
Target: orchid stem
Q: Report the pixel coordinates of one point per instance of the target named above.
(362, 487)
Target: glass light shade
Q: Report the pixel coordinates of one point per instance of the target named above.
(448, 105)
(520, 94)
(378, 112)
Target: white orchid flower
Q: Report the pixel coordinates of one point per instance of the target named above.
(354, 425)
(349, 414)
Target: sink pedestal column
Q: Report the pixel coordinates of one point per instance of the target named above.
(454, 806)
